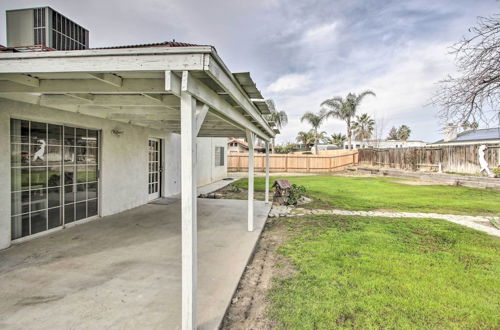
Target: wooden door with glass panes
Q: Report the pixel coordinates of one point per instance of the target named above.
(154, 169)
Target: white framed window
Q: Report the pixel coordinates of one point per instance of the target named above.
(219, 156)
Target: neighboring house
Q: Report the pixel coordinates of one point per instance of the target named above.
(478, 136)
(374, 144)
(94, 132)
(240, 146)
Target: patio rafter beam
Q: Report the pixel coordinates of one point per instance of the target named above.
(82, 96)
(108, 78)
(22, 79)
(65, 86)
(200, 116)
(144, 117)
(64, 99)
(220, 107)
(232, 87)
(169, 101)
(172, 83)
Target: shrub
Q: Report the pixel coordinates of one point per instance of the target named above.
(496, 170)
(296, 192)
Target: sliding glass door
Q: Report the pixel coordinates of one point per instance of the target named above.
(54, 175)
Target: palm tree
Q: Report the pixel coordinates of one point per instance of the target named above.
(279, 118)
(363, 127)
(315, 120)
(404, 132)
(345, 109)
(305, 138)
(337, 139)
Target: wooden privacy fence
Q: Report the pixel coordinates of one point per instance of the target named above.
(293, 163)
(460, 159)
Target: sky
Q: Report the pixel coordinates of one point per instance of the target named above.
(302, 52)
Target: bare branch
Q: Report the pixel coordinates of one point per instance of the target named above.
(475, 94)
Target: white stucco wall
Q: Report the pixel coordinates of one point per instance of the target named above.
(207, 171)
(4, 180)
(124, 159)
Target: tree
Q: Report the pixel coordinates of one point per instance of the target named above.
(345, 109)
(470, 126)
(279, 118)
(285, 148)
(337, 139)
(320, 136)
(306, 138)
(404, 132)
(393, 134)
(475, 93)
(363, 127)
(315, 120)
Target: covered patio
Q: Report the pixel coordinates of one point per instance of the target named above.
(163, 88)
(124, 271)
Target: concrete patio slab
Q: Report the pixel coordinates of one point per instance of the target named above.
(124, 271)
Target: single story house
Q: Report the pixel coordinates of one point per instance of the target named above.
(363, 144)
(240, 146)
(93, 132)
(478, 136)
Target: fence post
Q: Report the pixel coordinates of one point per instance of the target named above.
(308, 164)
(330, 164)
(286, 163)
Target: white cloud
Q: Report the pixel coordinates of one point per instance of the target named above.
(403, 92)
(322, 33)
(290, 83)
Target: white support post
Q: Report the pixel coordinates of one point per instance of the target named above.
(189, 212)
(267, 173)
(250, 140)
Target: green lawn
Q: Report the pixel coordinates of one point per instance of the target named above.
(365, 273)
(359, 193)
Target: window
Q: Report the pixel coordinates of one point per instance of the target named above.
(54, 176)
(219, 156)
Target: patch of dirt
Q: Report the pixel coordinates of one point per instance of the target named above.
(249, 303)
(485, 223)
(233, 192)
(422, 183)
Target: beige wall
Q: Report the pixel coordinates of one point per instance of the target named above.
(237, 149)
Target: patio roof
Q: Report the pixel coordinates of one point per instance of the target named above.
(186, 90)
(140, 85)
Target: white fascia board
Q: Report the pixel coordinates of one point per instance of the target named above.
(216, 69)
(102, 63)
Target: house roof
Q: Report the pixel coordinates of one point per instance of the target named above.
(136, 62)
(485, 134)
(480, 134)
(172, 43)
(243, 143)
(24, 49)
